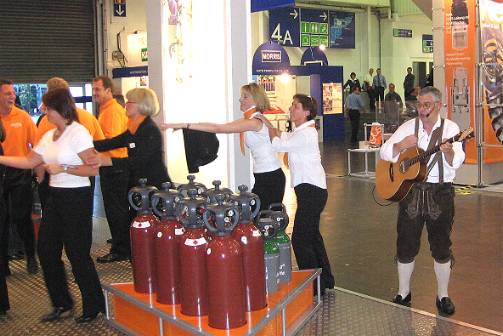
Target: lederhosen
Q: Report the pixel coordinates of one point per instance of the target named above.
(427, 203)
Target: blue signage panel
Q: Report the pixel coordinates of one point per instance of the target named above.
(260, 5)
(120, 8)
(138, 71)
(342, 30)
(270, 58)
(284, 26)
(305, 27)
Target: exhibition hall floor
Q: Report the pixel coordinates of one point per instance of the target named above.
(360, 240)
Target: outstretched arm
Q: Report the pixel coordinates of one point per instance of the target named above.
(236, 126)
(22, 162)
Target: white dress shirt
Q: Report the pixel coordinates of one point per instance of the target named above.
(264, 157)
(450, 129)
(303, 155)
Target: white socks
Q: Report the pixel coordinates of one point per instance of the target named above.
(404, 274)
(443, 272)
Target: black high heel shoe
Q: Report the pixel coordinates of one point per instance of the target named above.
(85, 318)
(57, 313)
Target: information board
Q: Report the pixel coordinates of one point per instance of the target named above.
(306, 27)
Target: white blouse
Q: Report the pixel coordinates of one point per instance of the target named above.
(264, 156)
(303, 155)
(64, 151)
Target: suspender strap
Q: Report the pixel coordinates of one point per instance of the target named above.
(436, 139)
(416, 127)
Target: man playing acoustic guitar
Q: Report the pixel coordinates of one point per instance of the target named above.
(430, 202)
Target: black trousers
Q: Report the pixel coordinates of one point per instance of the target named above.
(43, 190)
(379, 94)
(114, 188)
(372, 98)
(307, 241)
(269, 187)
(354, 117)
(18, 198)
(430, 204)
(4, 294)
(67, 223)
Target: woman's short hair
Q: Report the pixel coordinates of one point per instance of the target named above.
(145, 99)
(61, 101)
(259, 96)
(309, 104)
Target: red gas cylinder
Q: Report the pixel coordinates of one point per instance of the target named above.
(142, 238)
(224, 259)
(168, 234)
(192, 255)
(252, 244)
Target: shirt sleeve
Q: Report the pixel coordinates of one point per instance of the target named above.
(81, 140)
(386, 151)
(459, 154)
(289, 142)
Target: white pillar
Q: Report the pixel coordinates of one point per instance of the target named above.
(203, 84)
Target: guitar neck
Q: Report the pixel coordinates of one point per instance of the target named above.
(424, 156)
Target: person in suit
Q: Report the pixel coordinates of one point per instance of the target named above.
(352, 82)
(142, 139)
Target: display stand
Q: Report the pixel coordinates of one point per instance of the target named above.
(140, 314)
(366, 173)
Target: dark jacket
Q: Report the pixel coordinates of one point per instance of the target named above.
(408, 86)
(145, 153)
(352, 83)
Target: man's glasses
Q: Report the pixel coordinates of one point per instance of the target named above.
(427, 106)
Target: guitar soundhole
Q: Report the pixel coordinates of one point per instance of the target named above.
(391, 175)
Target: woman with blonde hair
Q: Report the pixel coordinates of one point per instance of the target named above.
(269, 178)
(142, 139)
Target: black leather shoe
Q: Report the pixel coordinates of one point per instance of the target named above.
(32, 265)
(111, 257)
(403, 301)
(445, 306)
(57, 313)
(85, 318)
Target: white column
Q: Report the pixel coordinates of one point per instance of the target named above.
(197, 69)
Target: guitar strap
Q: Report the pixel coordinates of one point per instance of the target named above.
(436, 139)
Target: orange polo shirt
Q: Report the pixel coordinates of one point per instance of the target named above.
(86, 119)
(20, 132)
(113, 121)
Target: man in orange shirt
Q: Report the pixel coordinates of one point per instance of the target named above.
(86, 119)
(20, 137)
(114, 179)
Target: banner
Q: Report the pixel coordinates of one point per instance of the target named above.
(491, 75)
(460, 61)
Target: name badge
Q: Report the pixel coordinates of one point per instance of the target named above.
(132, 145)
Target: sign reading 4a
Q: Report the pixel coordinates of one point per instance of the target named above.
(284, 26)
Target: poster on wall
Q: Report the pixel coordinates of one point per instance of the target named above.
(342, 30)
(491, 20)
(332, 98)
(180, 40)
(460, 60)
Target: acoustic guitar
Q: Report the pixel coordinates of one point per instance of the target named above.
(394, 180)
